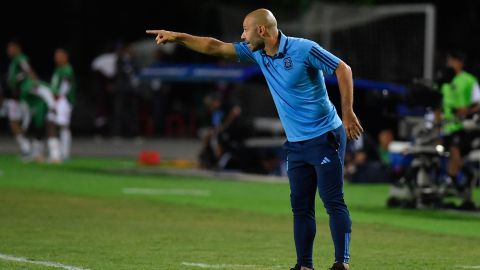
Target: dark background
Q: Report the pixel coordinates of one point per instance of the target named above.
(88, 28)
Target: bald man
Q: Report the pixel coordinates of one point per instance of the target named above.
(294, 69)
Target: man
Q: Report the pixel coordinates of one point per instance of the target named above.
(224, 134)
(39, 97)
(125, 98)
(294, 69)
(31, 101)
(104, 69)
(461, 98)
(19, 71)
(64, 86)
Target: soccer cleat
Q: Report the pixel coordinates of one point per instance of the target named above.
(339, 266)
(298, 267)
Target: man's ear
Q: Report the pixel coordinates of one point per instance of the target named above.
(260, 30)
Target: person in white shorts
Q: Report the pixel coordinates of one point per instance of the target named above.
(18, 114)
(63, 85)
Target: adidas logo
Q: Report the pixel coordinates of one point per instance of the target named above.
(325, 161)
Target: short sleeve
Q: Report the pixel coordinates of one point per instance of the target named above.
(244, 54)
(476, 93)
(322, 59)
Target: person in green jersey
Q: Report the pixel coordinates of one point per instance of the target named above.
(41, 102)
(64, 87)
(461, 98)
(31, 102)
(18, 71)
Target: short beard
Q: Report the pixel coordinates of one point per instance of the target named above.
(257, 47)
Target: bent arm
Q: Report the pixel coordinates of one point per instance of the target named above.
(233, 114)
(44, 93)
(345, 84)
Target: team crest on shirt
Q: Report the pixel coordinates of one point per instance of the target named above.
(287, 63)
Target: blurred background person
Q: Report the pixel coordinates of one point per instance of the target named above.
(19, 71)
(42, 106)
(368, 160)
(64, 86)
(223, 136)
(125, 118)
(461, 98)
(31, 103)
(104, 68)
(385, 138)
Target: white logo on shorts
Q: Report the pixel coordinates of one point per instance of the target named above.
(325, 161)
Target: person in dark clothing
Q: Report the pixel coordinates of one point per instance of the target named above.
(224, 134)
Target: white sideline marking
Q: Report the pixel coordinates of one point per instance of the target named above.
(468, 266)
(51, 264)
(224, 266)
(217, 266)
(167, 191)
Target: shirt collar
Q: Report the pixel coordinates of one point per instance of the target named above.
(282, 47)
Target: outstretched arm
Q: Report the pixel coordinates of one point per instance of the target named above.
(345, 84)
(204, 45)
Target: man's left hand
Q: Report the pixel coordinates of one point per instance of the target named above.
(352, 125)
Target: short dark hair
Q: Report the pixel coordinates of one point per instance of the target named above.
(62, 49)
(15, 41)
(457, 54)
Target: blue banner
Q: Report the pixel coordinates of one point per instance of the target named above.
(240, 73)
(200, 72)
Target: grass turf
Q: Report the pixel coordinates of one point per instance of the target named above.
(77, 214)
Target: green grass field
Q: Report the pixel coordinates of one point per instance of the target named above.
(81, 214)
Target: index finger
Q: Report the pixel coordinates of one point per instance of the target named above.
(153, 32)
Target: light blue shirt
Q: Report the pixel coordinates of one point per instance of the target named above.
(295, 77)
